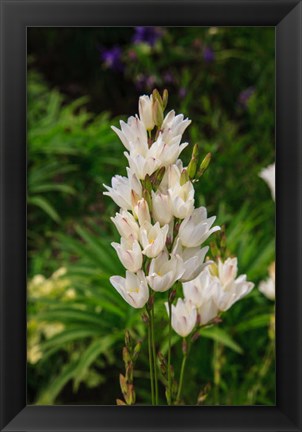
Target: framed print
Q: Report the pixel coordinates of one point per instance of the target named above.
(150, 256)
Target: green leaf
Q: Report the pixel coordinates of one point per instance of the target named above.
(96, 348)
(254, 323)
(44, 205)
(219, 335)
(53, 187)
(49, 394)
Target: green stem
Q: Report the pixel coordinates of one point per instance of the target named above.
(182, 370)
(154, 356)
(169, 354)
(150, 359)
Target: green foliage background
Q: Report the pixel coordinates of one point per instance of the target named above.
(76, 320)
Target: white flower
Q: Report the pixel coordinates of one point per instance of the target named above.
(133, 135)
(166, 153)
(161, 207)
(183, 317)
(129, 253)
(126, 224)
(172, 176)
(145, 109)
(153, 239)
(142, 165)
(230, 290)
(267, 287)
(141, 210)
(193, 260)
(268, 175)
(200, 292)
(182, 200)
(120, 192)
(174, 126)
(133, 288)
(195, 229)
(164, 272)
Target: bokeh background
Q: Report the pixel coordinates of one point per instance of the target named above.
(81, 81)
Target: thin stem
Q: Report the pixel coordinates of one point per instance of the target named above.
(169, 354)
(154, 355)
(150, 359)
(182, 370)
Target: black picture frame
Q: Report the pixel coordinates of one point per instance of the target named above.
(16, 16)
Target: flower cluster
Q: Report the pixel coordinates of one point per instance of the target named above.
(163, 234)
(213, 291)
(161, 231)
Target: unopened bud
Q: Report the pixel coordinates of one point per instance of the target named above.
(158, 176)
(158, 114)
(130, 398)
(123, 385)
(172, 295)
(147, 197)
(136, 350)
(134, 199)
(214, 249)
(127, 339)
(148, 183)
(157, 97)
(184, 177)
(204, 165)
(192, 167)
(129, 373)
(145, 318)
(126, 356)
(216, 320)
(165, 98)
(195, 337)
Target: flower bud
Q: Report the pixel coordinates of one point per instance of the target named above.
(142, 210)
(204, 165)
(195, 337)
(146, 112)
(147, 198)
(123, 385)
(165, 98)
(184, 177)
(148, 183)
(172, 295)
(145, 318)
(157, 177)
(129, 372)
(127, 339)
(192, 167)
(120, 402)
(126, 356)
(158, 114)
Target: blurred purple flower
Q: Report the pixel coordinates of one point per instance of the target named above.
(145, 82)
(182, 92)
(148, 35)
(245, 96)
(168, 77)
(208, 54)
(111, 57)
